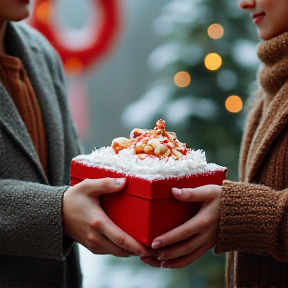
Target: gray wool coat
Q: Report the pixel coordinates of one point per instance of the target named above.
(33, 250)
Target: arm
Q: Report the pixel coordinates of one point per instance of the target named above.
(31, 214)
(259, 215)
(31, 225)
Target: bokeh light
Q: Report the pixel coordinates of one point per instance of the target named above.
(44, 11)
(234, 104)
(182, 79)
(213, 61)
(215, 31)
(73, 66)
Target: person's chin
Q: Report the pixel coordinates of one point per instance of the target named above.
(266, 35)
(20, 17)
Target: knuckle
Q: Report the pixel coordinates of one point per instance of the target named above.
(96, 224)
(106, 183)
(205, 222)
(186, 232)
(120, 240)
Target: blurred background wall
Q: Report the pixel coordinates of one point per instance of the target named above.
(123, 74)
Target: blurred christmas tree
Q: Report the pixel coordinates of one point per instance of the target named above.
(204, 70)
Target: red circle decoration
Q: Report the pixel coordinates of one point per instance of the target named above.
(98, 41)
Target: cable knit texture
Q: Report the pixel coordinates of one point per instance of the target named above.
(254, 212)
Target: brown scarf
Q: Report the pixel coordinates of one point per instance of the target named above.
(274, 73)
(272, 97)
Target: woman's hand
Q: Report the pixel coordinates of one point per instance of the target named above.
(183, 245)
(86, 222)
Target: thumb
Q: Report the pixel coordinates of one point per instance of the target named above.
(199, 194)
(101, 186)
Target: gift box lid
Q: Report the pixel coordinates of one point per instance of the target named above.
(148, 188)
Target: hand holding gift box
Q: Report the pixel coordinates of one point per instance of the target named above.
(153, 162)
(85, 221)
(183, 245)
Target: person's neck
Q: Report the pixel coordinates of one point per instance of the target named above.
(3, 25)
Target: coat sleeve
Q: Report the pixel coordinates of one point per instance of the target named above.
(31, 214)
(253, 218)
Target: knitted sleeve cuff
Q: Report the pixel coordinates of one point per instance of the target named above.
(253, 218)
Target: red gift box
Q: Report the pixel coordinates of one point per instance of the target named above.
(145, 208)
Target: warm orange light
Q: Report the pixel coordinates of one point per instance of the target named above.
(213, 61)
(44, 11)
(234, 104)
(182, 79)
(215, 31)
(73, 66)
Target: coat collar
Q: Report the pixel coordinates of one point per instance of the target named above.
(33, 58)
(11, 121)
(262, 137)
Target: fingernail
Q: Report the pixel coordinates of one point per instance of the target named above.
(120, 181)
(177, 191)
(156, 244)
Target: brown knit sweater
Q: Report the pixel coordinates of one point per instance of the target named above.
(254, 212)
(17, 83)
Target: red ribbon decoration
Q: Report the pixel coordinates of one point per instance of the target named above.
(76, 59)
